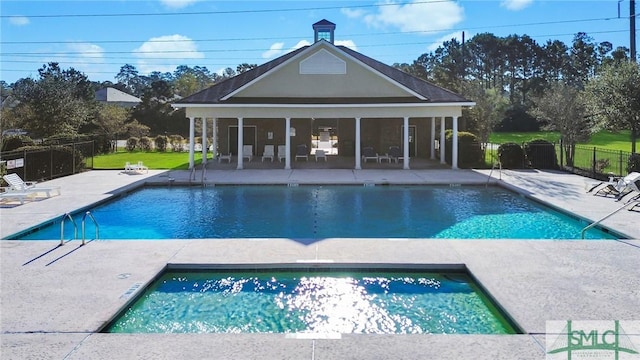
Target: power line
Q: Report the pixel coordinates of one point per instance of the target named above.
(225, 12)
(297, 37)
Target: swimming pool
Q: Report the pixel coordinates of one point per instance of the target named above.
(359, 301)
(307, 213)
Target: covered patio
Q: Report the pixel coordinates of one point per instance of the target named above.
(330, 94)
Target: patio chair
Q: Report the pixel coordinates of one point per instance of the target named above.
(618, 187)
(141, 167)
(247, 152)
(17, 185)
(302, 152)
(369, 154)
(282, 152)
(635, 200)
(13, 195)
(268, 153)
(224, 157)
(320, 154)
(395, 153)
(129, 168)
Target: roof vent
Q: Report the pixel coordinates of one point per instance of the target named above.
(323, 30)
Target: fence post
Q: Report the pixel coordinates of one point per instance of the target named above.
(561, 154)
(73, 157)
(593, 163)
(51, 161)
(24, 166)
(620, 173)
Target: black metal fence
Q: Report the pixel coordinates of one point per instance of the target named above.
(583, 160)
(39, 163)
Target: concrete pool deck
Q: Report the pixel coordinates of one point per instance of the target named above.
(54, 299)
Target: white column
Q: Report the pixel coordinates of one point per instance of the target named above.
(433, 138)
(214, 137)
(204, 140)
(454, 145)
(442, 160)
(240, 142)
(405, 150)
(358, 166)
(287, 143)
(192, 139)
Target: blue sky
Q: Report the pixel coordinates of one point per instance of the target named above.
(158, 35)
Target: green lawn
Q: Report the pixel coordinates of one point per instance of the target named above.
(605, 139)
(154, 160)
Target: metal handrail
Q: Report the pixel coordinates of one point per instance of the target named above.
(495, 162)
(204, 173)
(88, 213)
(635, 202)
(75, 226)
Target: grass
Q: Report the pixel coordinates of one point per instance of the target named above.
(605, 139)
(154, 160)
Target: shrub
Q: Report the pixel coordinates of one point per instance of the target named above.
(176, 142)
(144, 143)
(541, 154)
(161, 143)
(634, 163)
(10, 143)
(132, 144)
(470, 152)
(511, 155)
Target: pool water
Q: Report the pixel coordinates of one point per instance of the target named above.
(286, 301)
(317, 212)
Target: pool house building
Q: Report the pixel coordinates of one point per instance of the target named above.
(324, 97)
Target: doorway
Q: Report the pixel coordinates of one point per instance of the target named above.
(324, 135)
(249, 137)
(413, 145)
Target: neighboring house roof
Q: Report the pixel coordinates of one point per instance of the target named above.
(425, 91)
(114, 96)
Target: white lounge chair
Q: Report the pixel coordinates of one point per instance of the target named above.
(14, 195)
(224, 157)
(282, 152)
(395, 154)
(320, 154)
(618, 187)
(268, 153)
(247, 152)
(141, 167)
(17, 185)
(369, 154)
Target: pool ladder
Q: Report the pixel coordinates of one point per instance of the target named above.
(75, 227)
(629, 203)
(498, 163)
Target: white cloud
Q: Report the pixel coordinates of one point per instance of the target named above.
(352, 13)
(85, 57)
(414, 16)
(515, 5)
(347, 43)
(177, 4)
(274, 50)
(161, 49)
(454, 35)
(19, 20)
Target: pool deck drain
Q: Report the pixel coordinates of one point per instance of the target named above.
(54, 311)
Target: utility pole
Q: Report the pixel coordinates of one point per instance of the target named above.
(632, 30)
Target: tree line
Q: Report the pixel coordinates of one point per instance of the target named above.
(520, 85)
(61, 102)
(517, 84)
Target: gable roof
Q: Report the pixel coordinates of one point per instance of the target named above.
(113, 95)
(428, 92)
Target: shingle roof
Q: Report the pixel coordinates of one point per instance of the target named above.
(216, 93)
